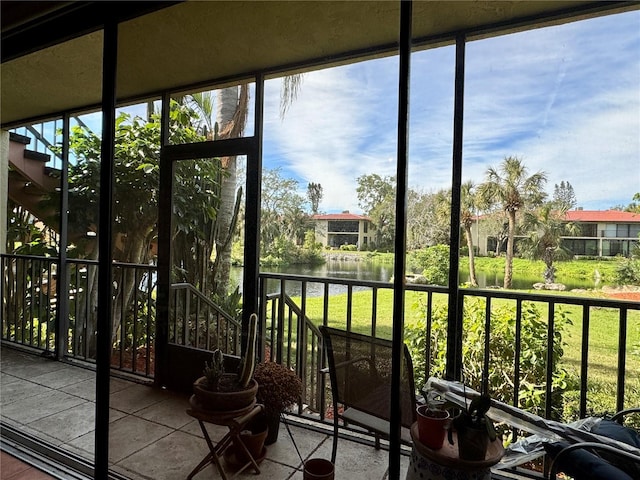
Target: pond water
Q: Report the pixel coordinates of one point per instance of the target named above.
(371, 271)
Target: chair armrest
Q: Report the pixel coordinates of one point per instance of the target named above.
(346, 363)
(618, 417)
(589, 446)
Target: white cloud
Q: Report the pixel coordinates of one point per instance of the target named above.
(566, 99)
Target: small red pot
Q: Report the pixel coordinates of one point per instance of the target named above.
(432, 426)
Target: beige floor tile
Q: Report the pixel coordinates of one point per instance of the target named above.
(68, 424)
(171, 412)
(63, 377)
(19, 390)
(39, 406)
(171, 457)
(85, 389)
(131, 434)
(135, 398)
(283, 450)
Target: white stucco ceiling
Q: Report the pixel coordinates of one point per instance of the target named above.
(197, 41)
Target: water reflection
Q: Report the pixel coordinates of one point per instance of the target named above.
(369, 271)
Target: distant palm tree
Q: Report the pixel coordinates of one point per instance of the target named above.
(546, 228)
(467, 217)
(510, 187)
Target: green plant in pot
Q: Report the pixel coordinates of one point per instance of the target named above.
(279, 389)
(433, 420)
(474, 429)
(219, 391)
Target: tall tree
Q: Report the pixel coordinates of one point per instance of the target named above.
(428, 219)
(510, 186)
(314, 193)
(467, 217)
(282, 210)
(564, 198)
(546, 227)
(135, 206)
(223, 115)
(376, 196)
(231, 119)
(634, 206)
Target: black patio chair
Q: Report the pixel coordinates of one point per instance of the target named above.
(360, 373)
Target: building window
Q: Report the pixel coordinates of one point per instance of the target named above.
(343, 226)
(589, 230)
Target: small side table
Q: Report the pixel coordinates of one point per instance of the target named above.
(444, 463)
(235, 421)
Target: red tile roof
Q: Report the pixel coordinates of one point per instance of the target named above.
(340, 216)
(611, 216)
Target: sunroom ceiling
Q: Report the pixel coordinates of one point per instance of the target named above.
(197, 41)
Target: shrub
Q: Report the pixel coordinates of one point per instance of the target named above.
(501, 352)
(434, 263)
(628, 272)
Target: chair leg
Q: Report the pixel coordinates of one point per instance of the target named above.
(335, 437)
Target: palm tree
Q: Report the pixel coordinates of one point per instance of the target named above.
(546, 228)
(467, 216)
(231, 107)
(510, 187)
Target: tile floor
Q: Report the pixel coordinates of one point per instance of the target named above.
(151, 436)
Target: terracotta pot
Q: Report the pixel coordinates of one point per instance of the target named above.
(253, 437)
(432, 426)
(318, 469)
(222, 401)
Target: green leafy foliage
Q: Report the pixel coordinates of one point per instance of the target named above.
(434, 263)
(502, 339)
(628, 271)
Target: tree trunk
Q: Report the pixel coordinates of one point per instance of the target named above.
(472, 263)
(135, 252)
(508, 264)
(230, 117)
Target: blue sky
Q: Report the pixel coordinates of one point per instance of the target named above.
(565, 99)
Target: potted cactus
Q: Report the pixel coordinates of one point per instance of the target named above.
(220, 391)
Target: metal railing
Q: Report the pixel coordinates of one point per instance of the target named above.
(292, 337)
(198, 322)
(30, 309)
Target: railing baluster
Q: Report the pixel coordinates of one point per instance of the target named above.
(374, 310)
(487, 343)
(550, 363)
(427, 343)
(622, 356)
(516, 357)
(349, 306)
(584, 361)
